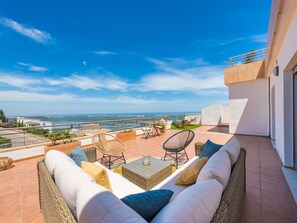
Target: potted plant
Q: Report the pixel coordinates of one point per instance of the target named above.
(61, 140)
(126, 135)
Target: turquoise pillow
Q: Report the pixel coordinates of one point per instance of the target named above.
(149, 203)
(78, 155)
(209, 149)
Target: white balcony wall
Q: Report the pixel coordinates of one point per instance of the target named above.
(282, 86)
(216, 114)
(248, 108)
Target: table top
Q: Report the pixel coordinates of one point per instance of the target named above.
(156, 165)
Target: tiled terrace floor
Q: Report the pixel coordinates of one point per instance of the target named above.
(267, 199)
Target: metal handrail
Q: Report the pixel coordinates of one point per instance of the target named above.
(249, 57)
(19, 136)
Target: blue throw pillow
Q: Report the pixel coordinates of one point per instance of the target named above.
(78, 155)
(149, 203)
(209, 149)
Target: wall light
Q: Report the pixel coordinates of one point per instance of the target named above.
(275, 70)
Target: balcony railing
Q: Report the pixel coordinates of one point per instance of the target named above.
(25, 136)
(252, 56)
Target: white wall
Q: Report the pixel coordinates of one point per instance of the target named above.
(211, 115)
(216, 114)
(248, 108)
(283, 95)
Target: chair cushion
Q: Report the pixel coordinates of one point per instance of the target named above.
(68, 176)
(189, 175)
(53, 157)
(197, 203)
(209, 149)
(217, 167)
(233, 150)
(96, 204)
(98, 173)
(78, 155)
(149, 203)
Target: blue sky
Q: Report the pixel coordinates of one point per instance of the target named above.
(72, 57)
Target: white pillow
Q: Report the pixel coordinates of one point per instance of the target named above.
(53, 157)
(197, 203)
(95, 204)
(233, 150)
(217, 167)
(68, 176)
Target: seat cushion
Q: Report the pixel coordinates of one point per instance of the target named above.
(53, 157)
(96, 204)
(233, 150)
(78, 155)
(169, 182)
(189, 175)
(98, 173)
(68, 176)
(209, 149)
(217, 167)
(198, 203)
(149, 203)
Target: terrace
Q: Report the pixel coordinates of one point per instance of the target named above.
(267, 198)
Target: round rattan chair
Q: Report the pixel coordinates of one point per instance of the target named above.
(112, 149)
(175, 146)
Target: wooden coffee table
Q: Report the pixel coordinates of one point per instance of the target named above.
(149, 176)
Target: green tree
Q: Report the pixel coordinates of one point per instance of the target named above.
(2, 116)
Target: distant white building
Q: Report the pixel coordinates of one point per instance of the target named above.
(34, 123)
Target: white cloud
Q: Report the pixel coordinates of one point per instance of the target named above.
(21, 96)
(32, 67)
(84, 63)
(190, 79)
(83, 82)
(33, 33)
(15, 80)
(261, 38)
(103, 53)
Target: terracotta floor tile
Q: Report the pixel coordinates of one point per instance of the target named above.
(272, 214)
(278, 200)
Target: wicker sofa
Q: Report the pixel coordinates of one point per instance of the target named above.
(54, 208)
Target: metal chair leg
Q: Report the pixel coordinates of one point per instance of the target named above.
(109, 162)
(124, 158)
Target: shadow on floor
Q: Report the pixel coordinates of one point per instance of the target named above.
(220, 129)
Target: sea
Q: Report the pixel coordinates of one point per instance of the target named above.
(111, 121)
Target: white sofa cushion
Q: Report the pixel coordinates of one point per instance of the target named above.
(198, 203)
(121, 187)
(169, 183)
(68, 176)
(53, 157)
(217, 167)
(95, 204)
(233, 150)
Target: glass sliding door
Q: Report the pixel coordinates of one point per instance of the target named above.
(295, 119)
